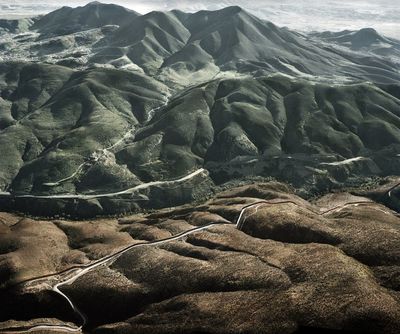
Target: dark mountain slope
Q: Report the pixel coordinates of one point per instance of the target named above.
(365, 42)
(67, 20)
(92, 134)
(146, 40)
(181, 47)
(16, 25)
(223, 121)
(232, 34)
(228, 39)
(97, 130)
(363, 38)
(56, 123)
(223, 37)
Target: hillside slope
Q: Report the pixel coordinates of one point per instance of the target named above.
(55, 119)
(109, 108)
(181, 47)
(270, 262)
(67, 20)
(99, 132)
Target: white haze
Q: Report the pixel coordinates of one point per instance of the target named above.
(303, 15)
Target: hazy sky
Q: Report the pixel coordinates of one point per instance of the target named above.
(383, 15)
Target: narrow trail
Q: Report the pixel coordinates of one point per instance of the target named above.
(103, 152)
(95, 157)
(343, 162)
(389, 192)
(122, 192)
(72, 176)
(73, 273)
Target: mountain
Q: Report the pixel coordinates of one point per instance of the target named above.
(362, 38)
(365, 41)
(204, 172)
(102, 131)
(145, 41)
(181, 47)
(67, 20)
(232, 34)
(54, 117)
(16, 25)
(106, 105)
(227, 39)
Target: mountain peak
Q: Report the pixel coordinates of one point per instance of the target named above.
(366, 37)
(95, 14)
(226, 11)
(233, 9)
(93, 3)
(368, 32)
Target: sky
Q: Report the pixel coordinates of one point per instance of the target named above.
(303, 15)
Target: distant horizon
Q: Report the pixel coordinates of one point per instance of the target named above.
(301, 15)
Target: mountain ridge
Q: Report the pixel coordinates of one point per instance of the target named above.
(115, 102)
(93, 15)
(175, 45)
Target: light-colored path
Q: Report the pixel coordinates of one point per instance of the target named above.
(73, 274)
(129, 134)
(122, 192)
(343, 162)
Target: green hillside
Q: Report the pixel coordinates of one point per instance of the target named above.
(111, 111)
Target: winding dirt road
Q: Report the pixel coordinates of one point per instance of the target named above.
(122, 192)
(69, 276)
